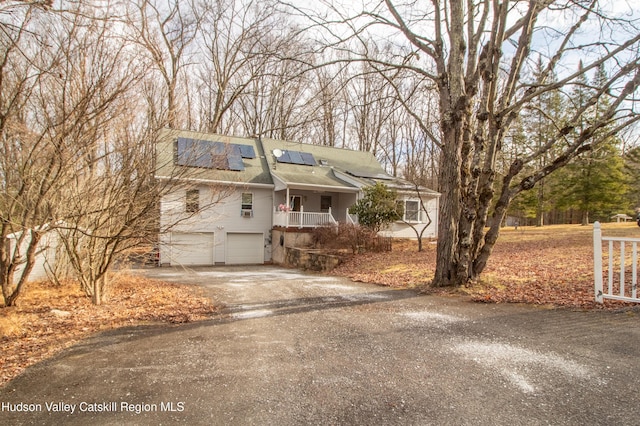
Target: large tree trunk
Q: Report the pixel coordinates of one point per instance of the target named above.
(449, 187)
(99, 286)
(454, 114)
(540, 206)
(585, 218)
(11, 289)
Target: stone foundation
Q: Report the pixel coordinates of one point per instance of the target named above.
(291, 247)
(310, 259)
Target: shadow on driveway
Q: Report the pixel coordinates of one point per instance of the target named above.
(309, 304)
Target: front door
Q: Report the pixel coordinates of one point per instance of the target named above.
(295, 203)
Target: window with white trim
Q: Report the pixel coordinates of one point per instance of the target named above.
(192, 202)
(412, 211)
(246, 204)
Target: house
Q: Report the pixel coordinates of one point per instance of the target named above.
(621, 217)
(50, 260)
(240, 199)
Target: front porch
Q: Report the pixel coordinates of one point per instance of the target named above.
(302, 219)
(295, 208)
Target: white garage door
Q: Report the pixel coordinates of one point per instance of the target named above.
(192, 248)
(245, 249)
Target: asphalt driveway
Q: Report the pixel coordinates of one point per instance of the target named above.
(294, 349)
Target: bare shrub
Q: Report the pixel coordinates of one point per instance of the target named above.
(348, 236)
(325, 237)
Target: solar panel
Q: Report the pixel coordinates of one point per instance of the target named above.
(246, 151)
(308, 159)
(216, 148)
(193, 153)
(234, 158)
(181, 148)
(212, 155)
(369, 175)
(235, 163)
(219, 158)
(284, 158)
(297, 157)
(201, 154)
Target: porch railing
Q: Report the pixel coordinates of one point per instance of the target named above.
(304, 219)
(352, 219)
(621, 267)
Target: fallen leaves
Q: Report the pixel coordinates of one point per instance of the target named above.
(403, 267)
(551, 265)
(49, 318)
(544, 266)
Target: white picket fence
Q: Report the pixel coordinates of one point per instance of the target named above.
(622, 267)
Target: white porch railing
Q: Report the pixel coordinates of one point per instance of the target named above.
(303, 219)
(618, 257)
(351, 218)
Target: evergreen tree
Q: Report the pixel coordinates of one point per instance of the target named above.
(377, 207)
(632, 173)
(542, 119)
(595, 182)
(539, 123)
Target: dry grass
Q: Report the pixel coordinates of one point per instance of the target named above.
(33, 330)
(551, 265)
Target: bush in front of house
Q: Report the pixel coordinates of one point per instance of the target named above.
(348, 236)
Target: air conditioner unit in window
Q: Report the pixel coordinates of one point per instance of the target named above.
(246, 213)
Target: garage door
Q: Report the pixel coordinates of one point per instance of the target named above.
(245, 249)
(192, 248)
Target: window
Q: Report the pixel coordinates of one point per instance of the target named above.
(247, 201)
(411, 211)
(325, 203)
(246, 204)
(192, 201)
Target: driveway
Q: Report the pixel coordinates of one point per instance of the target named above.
(293, 348)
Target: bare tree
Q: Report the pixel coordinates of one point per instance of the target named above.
(30, 166)
(113, 202)
(237, 44)
(78, 139)
(165, 30)
(420, 163)
(78, 105)
(276, 102)
(117, 209)
(328, 95)
(418, 229)
(477, 55)
(373, 103)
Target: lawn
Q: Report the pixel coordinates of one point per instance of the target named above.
(551, 265)
(49, 318)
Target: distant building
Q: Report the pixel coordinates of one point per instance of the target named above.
(621, 217)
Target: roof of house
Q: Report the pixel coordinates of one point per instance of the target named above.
(252, 170)
(270, 162)
(325, 166)
(621, 216)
